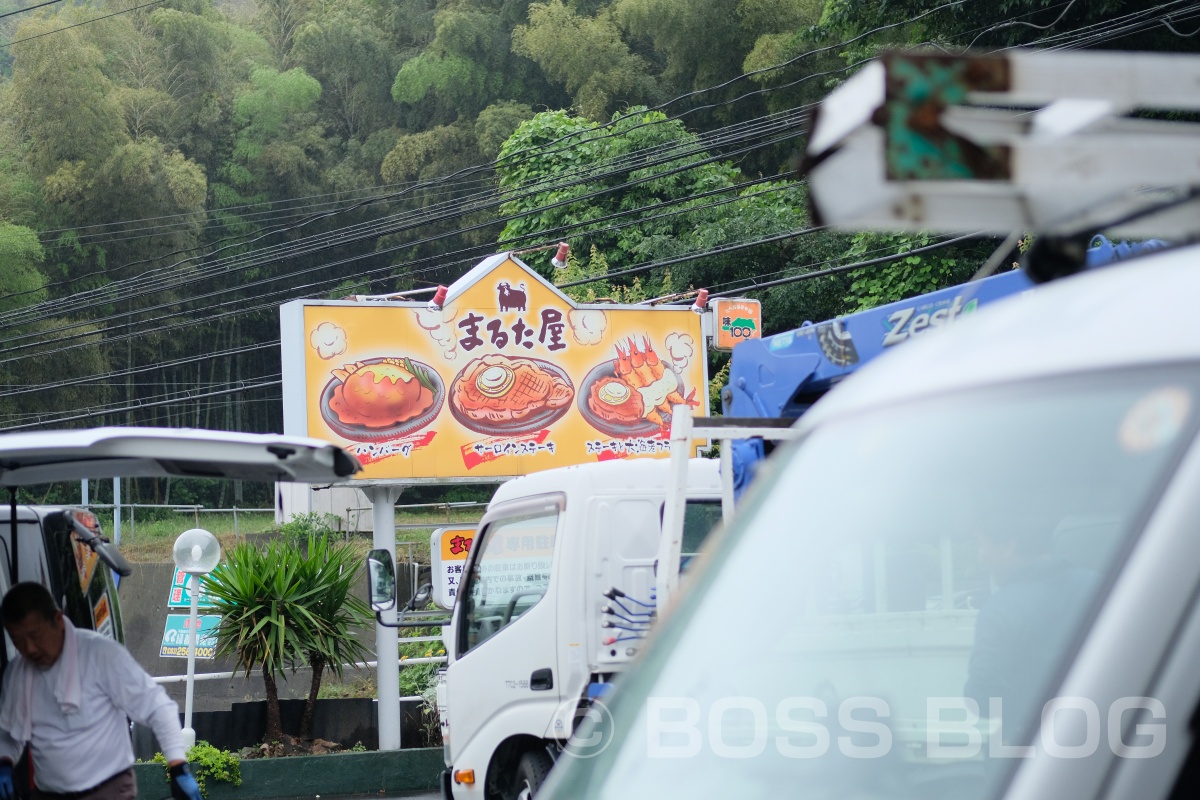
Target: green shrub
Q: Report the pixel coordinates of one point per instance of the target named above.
(209, 762)
(300, 527)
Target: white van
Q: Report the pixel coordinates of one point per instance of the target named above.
(975, 576)
(64, 548)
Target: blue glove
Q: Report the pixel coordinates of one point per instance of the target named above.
(7, 791)
(183, 783)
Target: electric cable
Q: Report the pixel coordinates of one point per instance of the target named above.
(541, 149)
(691, 93)
(81, 24)
(138, 406)
(27, 9)
(59, 309)
(874, 262)
(235, 351)
(59, 306)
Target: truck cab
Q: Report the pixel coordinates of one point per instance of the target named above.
(556, 598)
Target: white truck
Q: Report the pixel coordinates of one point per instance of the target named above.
(556, 597)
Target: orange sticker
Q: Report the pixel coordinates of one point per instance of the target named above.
(101, 615)
(85, 561)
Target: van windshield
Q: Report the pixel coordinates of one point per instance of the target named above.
(896, 602)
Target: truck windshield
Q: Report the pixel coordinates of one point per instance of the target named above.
(907, 586)
(509, 574)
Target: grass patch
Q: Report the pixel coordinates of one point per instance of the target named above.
(334, 689)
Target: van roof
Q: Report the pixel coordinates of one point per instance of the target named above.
(1138, 313)
(640, 474)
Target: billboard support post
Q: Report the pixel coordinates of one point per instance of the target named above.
(387, 641)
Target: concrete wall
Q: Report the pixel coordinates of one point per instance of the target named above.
(347, 503)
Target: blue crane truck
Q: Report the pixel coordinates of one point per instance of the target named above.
(781, 376)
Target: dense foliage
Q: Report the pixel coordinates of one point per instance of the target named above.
(170, 172)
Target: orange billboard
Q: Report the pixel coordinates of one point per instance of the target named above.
(736, 320)
(509, 377)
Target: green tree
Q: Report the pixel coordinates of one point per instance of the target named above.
(496, 123)
(332, 569)
(21, 280)
(278, 21)
(700, 42)
(601, 290)
(280, 609)
(587, 56)
(351, 57)
(555, 148)
(279, 147)
(65, 106)
(468, 65)
(910, 276)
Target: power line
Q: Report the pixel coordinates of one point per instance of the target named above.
(748, 95)
(752, 287)
(90, 414)
(27, 9)
(188, 397)
(79, 24)
(542, 148)
(59, 307)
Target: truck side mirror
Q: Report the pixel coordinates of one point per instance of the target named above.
(421, 598)
(381, 580)
(87, 530)
(110, 555)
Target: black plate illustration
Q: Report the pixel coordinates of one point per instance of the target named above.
(362, 433)
(534, 422)
(643, 427)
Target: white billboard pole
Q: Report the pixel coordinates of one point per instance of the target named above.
(387, 641)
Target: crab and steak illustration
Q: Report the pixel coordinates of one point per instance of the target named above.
(640, 387)
(499, 391)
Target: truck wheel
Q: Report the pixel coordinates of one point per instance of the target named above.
(531, 773)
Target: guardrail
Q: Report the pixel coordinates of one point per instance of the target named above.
(195, 509)
(216, 676)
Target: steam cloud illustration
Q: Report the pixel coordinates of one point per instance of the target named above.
(587, 326)
(438, 323)
(328, 340)
(680, 348)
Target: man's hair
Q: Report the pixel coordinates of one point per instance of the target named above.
(25, 599)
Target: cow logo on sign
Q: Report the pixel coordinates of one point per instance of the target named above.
(511, 299)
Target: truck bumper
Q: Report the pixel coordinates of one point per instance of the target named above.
(446, 780)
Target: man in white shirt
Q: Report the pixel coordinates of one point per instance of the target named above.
(67, 696)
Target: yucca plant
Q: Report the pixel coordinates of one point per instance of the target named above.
(331, 569)
(280, 609)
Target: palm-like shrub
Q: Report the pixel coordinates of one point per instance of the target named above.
(280, 609)
(332, 569)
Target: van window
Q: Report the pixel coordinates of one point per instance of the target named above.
(509, 574)
(921, 576)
